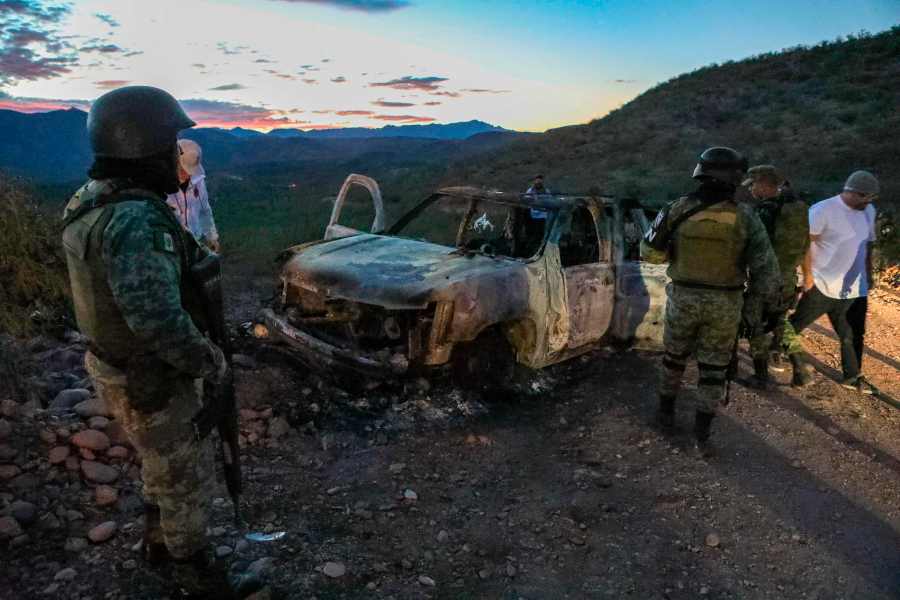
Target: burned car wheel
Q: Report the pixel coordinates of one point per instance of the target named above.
(486, 364)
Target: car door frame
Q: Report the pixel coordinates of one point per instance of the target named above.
(334, 229)
(590, 287)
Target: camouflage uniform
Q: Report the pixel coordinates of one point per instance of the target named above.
(703, 319)
(787, 224)
(127, 260)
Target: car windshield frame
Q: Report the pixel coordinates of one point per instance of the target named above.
(469, 200)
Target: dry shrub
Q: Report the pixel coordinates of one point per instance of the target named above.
(33, 280)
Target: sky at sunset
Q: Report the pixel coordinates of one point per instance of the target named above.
(526, 64)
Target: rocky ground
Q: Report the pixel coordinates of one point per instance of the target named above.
(423, 491)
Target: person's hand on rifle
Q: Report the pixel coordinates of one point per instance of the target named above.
(221, 374)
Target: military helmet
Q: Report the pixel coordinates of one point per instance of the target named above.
(722, 164)
(135, 121)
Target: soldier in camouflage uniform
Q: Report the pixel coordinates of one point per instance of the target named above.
(128, 262)
(787, 224)
(711, 243)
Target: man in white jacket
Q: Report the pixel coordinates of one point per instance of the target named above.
(191, 202)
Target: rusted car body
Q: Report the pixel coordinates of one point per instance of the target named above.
(552, 276)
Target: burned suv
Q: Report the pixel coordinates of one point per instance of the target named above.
(471, 278)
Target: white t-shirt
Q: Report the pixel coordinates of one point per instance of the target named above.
(192, 209)
(839, 255)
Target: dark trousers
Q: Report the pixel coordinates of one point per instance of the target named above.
(848, 319)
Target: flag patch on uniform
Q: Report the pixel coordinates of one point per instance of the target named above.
(163, 241)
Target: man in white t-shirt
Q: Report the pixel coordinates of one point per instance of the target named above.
(837, 270)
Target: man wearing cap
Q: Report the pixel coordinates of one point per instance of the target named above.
(785, 219)
(128, 261)
(191, 200)
(837, 270)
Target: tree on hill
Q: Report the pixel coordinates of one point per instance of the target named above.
(819, 113)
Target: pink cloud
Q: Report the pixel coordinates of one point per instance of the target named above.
(403, 118)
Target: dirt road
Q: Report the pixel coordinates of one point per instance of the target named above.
(570, 492)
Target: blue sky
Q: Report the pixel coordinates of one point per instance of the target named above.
(527, 65)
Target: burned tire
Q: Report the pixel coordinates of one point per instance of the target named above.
(485, 365)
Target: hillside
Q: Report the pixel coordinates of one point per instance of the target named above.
(818, 112)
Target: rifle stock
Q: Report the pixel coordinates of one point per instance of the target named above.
(220, 407)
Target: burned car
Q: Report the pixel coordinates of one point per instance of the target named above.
(469, 278)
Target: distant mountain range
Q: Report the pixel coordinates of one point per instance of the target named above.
(52, 147)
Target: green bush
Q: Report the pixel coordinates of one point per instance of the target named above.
(33, 278)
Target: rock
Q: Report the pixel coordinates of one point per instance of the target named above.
(5, 429)
(334, 569)
(98, 472)
(7, 453)
(9, 409)
(66, 575)
(63, 433)
(48, 437)
(106, 495)
(74, 515)
(24, 512)
(116, 434)
(278, 427)
(262, 567)
(130, 564)
(442, 536)
(102, 532)
(72, 463)
(712, 540)
(58, 455)
(426, 580)
(19, 540)
(248, 414)
(67, 399)
(87, 454)
(511, 570)
(243, 361)
(30, 408)
(218, 531)
(95, 407)
(100, 423)
(484, 573)
(25, 482)
(7, 472)
(223, 551)
(91, 439)
(51, 589)
(76, 544)
(9, 528)
(396, 468)
(120, 452)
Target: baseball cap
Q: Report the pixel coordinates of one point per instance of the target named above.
(191, 154)
(763, 172)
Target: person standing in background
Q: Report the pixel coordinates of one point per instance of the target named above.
(191, 201)
(837, 271)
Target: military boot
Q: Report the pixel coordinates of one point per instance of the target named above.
(760, 379)
(802, 370)
(702, 423)
(665, 414)
(200, 577)
(153, 546)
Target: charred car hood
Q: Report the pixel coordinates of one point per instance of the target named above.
(389, 271)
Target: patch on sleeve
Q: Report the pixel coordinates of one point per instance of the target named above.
(163, 241)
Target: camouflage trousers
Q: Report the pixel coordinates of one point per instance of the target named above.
(178, 470)
(783, 338)
(702, 323)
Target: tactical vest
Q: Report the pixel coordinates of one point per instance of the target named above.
(88, 214)
(708, 249)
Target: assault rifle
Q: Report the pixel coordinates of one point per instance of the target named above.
(219, 406)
